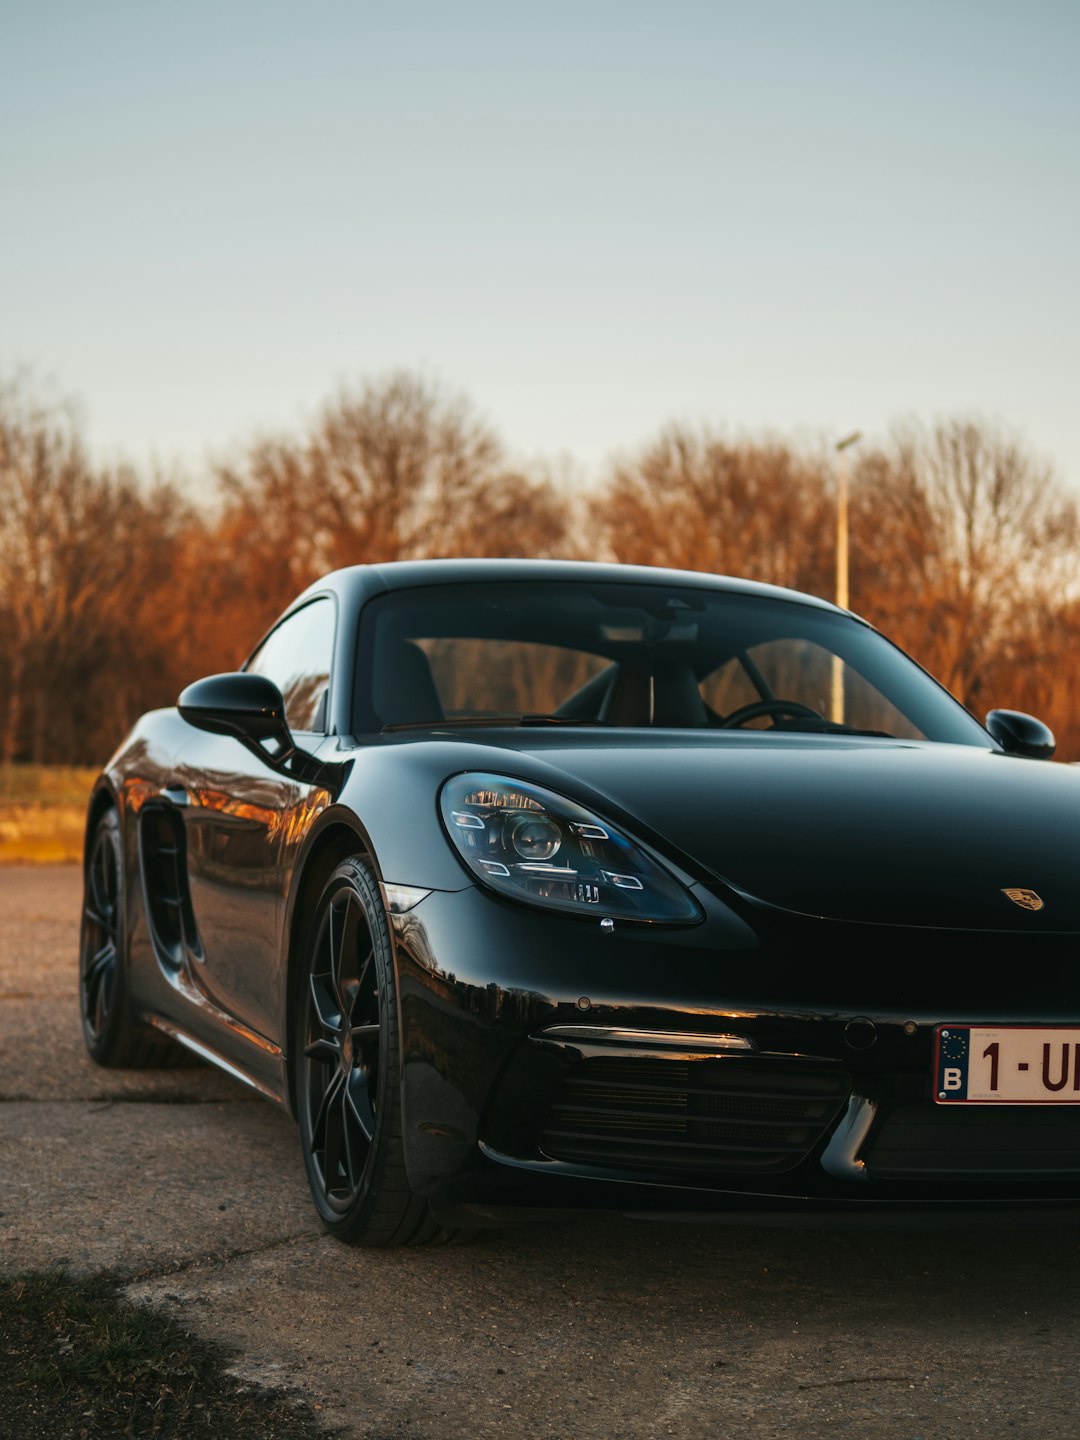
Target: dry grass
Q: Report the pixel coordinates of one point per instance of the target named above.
(42, 813)
(80, 1362)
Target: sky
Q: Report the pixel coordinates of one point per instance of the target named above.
(794, 216)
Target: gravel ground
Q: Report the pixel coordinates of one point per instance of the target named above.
(605, 1328)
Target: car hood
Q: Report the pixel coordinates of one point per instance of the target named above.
(868, 831)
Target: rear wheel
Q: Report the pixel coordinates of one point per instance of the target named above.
(348, 1072)
(111, 1036)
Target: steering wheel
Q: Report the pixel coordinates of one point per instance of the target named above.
(794, 708)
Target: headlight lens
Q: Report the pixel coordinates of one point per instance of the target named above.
(533, 845)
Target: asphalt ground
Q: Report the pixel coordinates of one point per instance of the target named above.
(194, 1188)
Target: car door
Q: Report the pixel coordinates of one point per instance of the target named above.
(244, 817)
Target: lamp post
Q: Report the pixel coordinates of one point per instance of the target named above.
(836, 699)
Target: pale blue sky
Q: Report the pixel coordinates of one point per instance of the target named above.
(591, 218)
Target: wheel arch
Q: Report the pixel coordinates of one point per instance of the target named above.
(101, 801)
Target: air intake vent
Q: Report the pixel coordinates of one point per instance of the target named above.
(161, 837)
(973, 1141)
(702, 1117)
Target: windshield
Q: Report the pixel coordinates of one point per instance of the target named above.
(638, 655)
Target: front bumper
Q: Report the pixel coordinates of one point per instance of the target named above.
(715, 1069)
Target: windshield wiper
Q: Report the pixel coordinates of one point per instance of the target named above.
(807, 726)
(561, 720)
(854, 730)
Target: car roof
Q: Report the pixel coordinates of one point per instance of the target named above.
(363, 581)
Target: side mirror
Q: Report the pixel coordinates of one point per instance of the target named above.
(247, 707)
(1020, 734)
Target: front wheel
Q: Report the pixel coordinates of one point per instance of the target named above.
(348, 1072)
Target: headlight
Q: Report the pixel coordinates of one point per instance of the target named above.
(531, 845)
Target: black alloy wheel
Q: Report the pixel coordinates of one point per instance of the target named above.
(348, 1074)
(112, 1037)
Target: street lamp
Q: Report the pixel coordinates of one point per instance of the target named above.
(836, 699)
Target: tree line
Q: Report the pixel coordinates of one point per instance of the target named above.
(116, 589)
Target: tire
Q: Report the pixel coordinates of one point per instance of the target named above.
(112, 1037)
(347, 1075)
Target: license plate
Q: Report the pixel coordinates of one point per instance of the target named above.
(1007, 1065)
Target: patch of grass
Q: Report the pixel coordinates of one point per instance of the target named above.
(46, 784)
(41, 834)
(42, 812)
(79, 1362)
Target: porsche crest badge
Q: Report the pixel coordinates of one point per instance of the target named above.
(1026, 899)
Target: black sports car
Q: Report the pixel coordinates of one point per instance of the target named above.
(530, 885)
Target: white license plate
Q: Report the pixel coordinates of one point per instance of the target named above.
(1007, 1065)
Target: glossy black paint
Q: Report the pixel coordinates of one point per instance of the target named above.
(851, 890)
(247, 707)
(1020, 734)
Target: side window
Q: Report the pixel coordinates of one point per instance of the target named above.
(297, 656)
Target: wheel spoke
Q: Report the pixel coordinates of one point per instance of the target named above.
(318, 1125)
(103, 922)
(366, 973)
(102, 880)
(97, 985)
(346, 971)
(334, 921)
(97, 981)
(324, 1008)
(358, 1100)
(108, 875)
(323, 1050)
(338, 927)
(334, 1134)
(103, 992)
(90, 980)
(365, 966)
(352, 1143)
(102, 956)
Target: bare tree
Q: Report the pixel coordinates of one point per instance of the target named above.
(46, 587)
(396, 468)
(695, 501)
(81, 552)
(962, 539)
(397, 471)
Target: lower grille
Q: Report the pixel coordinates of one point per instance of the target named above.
(731, 1115)
(976, 1141)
